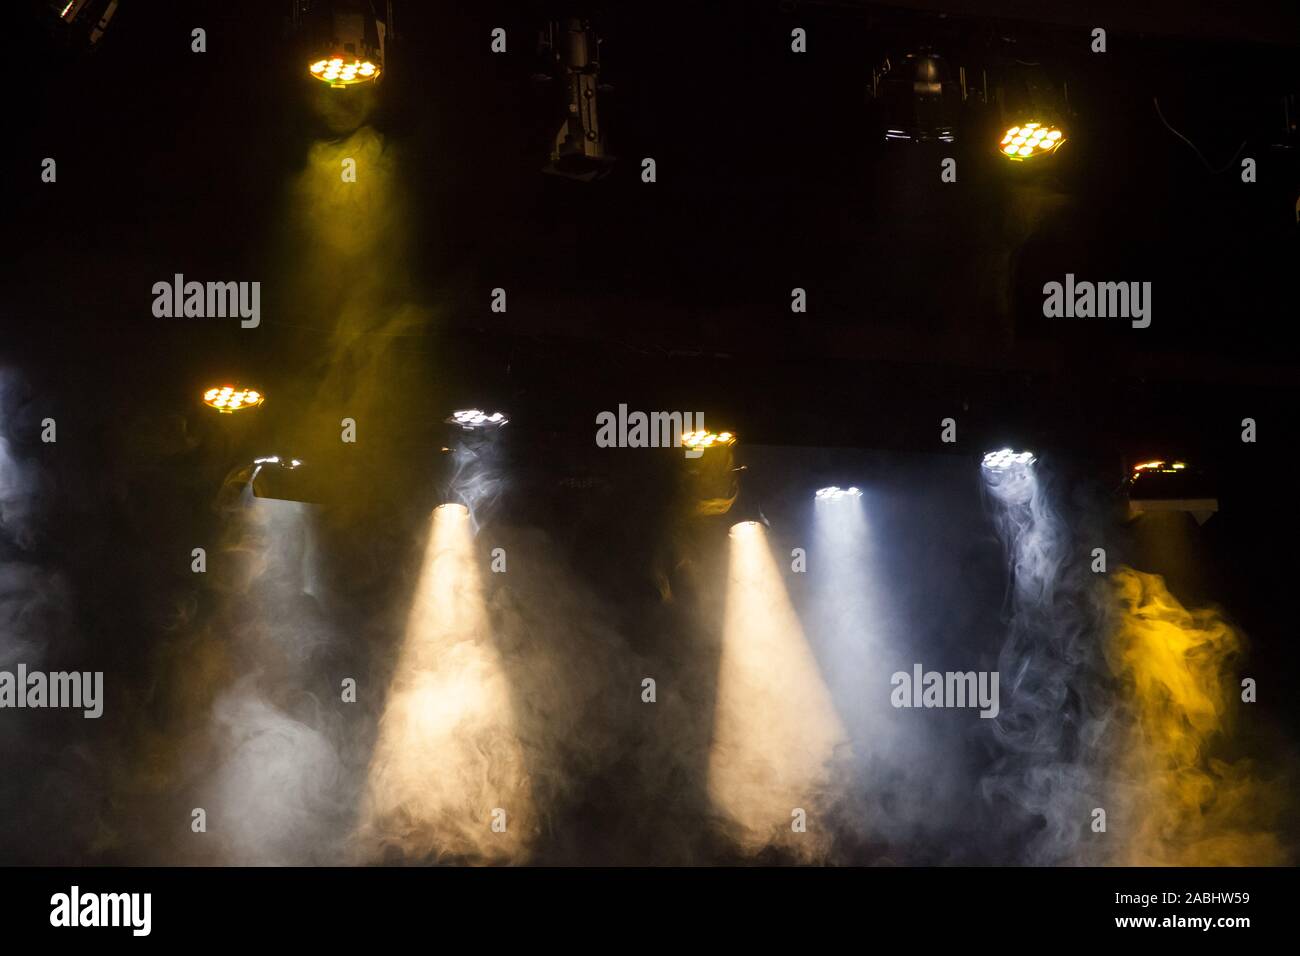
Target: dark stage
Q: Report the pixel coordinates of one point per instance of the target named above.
(885, 455)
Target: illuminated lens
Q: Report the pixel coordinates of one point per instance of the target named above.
(1030, 139)
(231, 398)
(1005, 458)
(834, 493)
(344, 71)
(471, 418)
(706, 439)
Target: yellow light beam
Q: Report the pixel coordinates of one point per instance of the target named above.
(775, 729)
(448, 765)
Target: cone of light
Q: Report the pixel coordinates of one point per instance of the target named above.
(775, 729)
(448, 762)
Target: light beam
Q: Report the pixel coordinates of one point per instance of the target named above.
(448, 764)
(775, 730)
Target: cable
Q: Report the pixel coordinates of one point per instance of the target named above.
(1204, 162)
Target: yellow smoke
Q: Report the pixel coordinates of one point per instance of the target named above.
(775, 730)
(448, 764)
(1184, 805)
(346, 241)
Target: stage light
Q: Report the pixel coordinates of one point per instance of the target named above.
(919, 97)
(578, 151)
(1006, 459)
(1158, 468)
(1030, 140)
(473, 418)
(706, 439)
(1160, 485)
(286, 479)
(346, 39)
(834, 493)
(232, 398)
(341, 72)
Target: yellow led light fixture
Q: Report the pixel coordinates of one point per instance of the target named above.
(228, 399)
(1030, 140)
(1158, 468)
(344, 70)
(707, 439)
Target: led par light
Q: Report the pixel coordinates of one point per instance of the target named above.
(1029, 140)
(340, 72)
(290, 463)
(1158, 468)
(703, 439)
(1160, 485)
(284, 478)
(346, 40)
(228, 399)
(918, 96)
(1005, 459)
(474, 419)
(834, 493)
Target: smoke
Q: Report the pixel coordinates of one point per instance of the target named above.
(1054, 721)
(1116, 732)
(1181, 801)
(274, 795)
(477, 480)
(256, 738)
(36, 629)
(17, 478)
